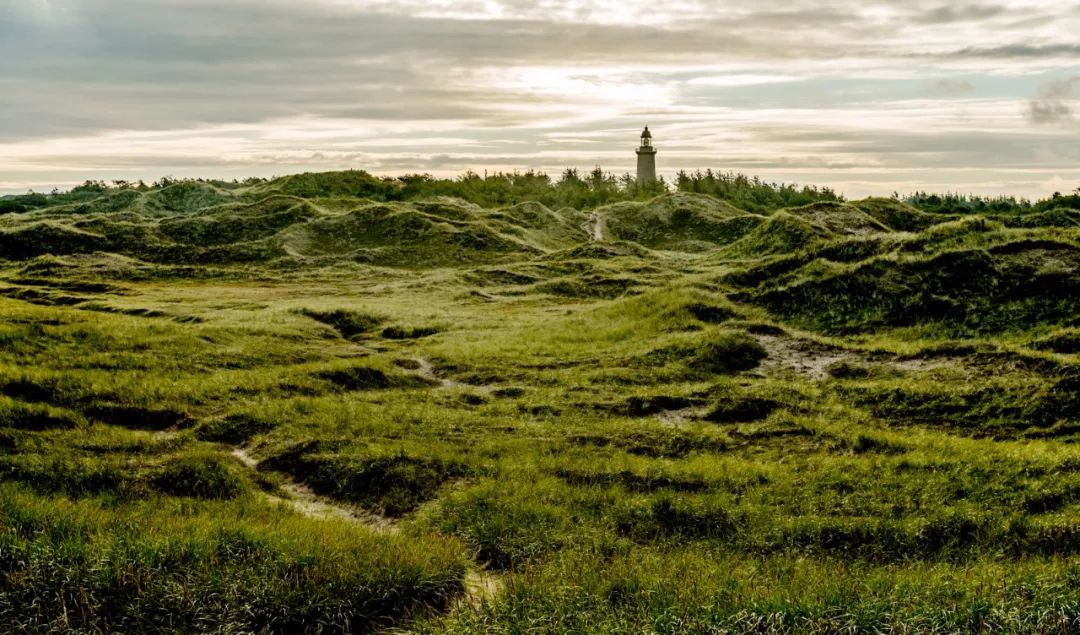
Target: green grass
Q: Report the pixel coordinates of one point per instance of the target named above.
(186, 567)
(838, 417)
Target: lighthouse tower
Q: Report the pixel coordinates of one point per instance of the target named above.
(646, 159)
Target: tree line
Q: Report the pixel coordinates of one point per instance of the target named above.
(572, 188)
(971, 204)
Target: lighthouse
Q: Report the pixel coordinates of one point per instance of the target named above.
(646, 159)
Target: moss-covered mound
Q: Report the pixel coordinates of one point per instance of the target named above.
(781, 233)
(1011, 285)
(838, 218)
(897, 215)
(677, 222)
(393, 234)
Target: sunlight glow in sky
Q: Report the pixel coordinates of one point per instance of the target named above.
(869, 97)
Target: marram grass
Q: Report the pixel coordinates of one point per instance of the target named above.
(330, 403)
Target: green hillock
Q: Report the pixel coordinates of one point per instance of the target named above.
(401, 235)
(186, 196)
(118, 201)
(195, 223)
(237, 222)
(537, 225)
(677, 222)
(48, 238)
(349, 183)
(781, 233)
(1013, 285)
(1063, 217)
(898, 215)
(837, 218)
(830, 264)
(600, 251)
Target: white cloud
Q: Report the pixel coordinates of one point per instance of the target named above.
(845, 94)
(742, 80)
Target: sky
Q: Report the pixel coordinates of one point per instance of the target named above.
(869, 97)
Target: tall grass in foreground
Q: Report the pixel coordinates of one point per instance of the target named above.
(699, 590)
(177, 565)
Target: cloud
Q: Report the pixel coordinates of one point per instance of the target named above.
(951, 87)
(1052, 105)
(114, 88)
(1017, 51)
(741, 79)
(952, 13)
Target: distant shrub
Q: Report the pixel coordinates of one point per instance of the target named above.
(23, 203)
(952, 203)
(751, 193)
(90, 187)
(8, 206)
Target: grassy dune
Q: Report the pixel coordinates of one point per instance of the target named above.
(284, 407)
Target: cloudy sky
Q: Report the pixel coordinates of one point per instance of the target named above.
(868, 96)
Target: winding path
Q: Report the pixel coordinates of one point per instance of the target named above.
(310, 504)
(426, 370)
(480, 585)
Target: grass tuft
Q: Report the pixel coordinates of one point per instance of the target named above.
(197, 476)
(350, 324)
(728, 352)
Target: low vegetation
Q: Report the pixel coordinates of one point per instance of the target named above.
(339, 403)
